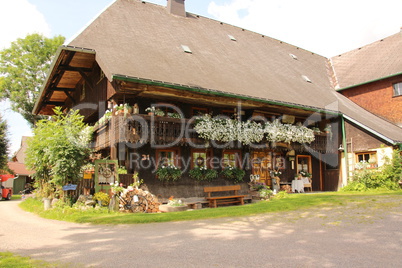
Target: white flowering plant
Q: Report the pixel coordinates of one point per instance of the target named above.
(155, 111)
(226, 130)
(175, 202)
(168, 173)
(305, 174)
(362, 165)
(150, 109)
(276, 173)
(105, 118)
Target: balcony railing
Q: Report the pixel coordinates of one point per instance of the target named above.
(145, 129)
(164, 131)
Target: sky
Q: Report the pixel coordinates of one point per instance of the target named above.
(328, 28)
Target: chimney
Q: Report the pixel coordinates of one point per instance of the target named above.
(176, 7)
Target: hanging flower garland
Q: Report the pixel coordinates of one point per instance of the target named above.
(226, 130)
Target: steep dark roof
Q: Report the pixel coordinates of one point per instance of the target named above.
(143, 40)
(377, 60)
(138, 39)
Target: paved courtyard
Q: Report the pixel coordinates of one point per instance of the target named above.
(344, 236)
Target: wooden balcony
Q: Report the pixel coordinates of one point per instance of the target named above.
(144, 129)
(165, 130)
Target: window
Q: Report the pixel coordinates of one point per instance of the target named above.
(366, 160)
(397, 89)
(303, 163)
(231, 158)
(167, 157)
(200, 158)
(279, 161)
(369, 157)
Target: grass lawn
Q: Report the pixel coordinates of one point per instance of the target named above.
(10, 260)
(290, 203)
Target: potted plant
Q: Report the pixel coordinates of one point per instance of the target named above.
(168, 173)
(118, 109)
(48, 192)
(173, 205)
(121, 170)
(305, 174)
(174, 115)
(154, 111)
(316, 130)
(150, 110)
(233, 173)
(276, 173)
(203, 174)
(328, 128)
(159, 112)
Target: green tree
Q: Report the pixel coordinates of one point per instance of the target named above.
(3, 144)
(58, 150)
(23, 69)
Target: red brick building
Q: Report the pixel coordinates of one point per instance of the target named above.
(371, 76)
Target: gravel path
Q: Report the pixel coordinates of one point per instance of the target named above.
(349, 235)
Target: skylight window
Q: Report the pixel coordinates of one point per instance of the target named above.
(232, 37)
(186, 49)
(305, 77)
(293, 56)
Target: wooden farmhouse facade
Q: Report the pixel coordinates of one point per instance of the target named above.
(184, 65)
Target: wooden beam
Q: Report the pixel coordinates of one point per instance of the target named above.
(55, 103)
(86, 78)
(62, 89)
(69, 96)
(75, 69)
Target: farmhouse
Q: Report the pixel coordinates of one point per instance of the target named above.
(165, 88)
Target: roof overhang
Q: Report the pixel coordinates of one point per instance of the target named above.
(70, 65)
(372, 131)
(200, 90)
(368, 82)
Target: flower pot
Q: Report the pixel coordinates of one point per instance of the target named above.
(47, 203)
(167, 208)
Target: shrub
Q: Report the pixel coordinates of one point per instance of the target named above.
(168, 173)
(281, 194)
(103, 197)
(383, 178)
(266, 193)
(233, 173)
(203, 174)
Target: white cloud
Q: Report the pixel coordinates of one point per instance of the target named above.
(324, 27)
(19, 18)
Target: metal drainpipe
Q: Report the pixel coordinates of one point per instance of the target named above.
(345, 150)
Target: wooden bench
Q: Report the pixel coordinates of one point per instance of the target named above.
(214, 201)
